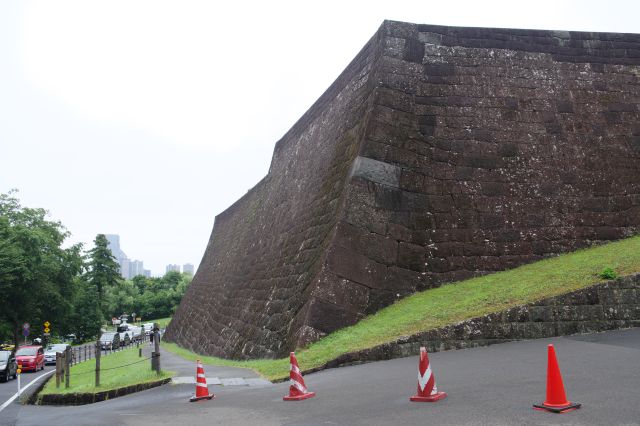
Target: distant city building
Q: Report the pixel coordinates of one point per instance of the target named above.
(171, 268)
(121, 257)
(136, 267)
(187, 268)
(128, 268)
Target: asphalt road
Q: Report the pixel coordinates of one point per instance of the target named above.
(487, 386)
(10, 389)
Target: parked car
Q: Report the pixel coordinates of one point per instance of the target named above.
(72, 338)
(134, 332)
(51, 350)
(8, 366)
(30, 358)
(148, 328)
(125, 339)
(109, 340)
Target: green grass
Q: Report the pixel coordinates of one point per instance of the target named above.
(82, 376)
(454, 302)
(162, 322)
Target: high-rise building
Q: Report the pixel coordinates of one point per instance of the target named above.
(173, 268)
(147, 273)
(136, 267)
(187, 268)
(128, 268)
(121, 257)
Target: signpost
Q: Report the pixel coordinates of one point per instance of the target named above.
(46, 333)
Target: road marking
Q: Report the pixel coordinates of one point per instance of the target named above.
(10, 400)
(235, 381)
(238, 381)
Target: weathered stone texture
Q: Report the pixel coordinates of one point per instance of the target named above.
(439, 154)
(267, 247)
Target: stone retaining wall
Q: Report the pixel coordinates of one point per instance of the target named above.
(605, 306)
(439, 154)
(90, 398)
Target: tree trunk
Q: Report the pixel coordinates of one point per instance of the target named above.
(16, 335)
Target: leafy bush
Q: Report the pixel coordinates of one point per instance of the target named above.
(608, 274)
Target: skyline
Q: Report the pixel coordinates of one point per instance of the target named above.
(147, 119)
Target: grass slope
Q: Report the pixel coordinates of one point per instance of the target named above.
(82, 376)
(455, 302)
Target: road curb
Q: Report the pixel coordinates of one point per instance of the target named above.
(90, 398)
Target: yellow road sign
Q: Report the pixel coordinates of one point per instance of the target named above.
(46, 324)
(18, 371)
(46, 329)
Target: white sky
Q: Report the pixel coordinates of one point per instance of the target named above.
(148, 118)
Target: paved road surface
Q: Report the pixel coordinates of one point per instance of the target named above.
(9, 389)
(486, 386)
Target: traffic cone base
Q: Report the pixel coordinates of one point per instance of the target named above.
(299, 397)
(557, 409)
(201, 398)
(431, 398)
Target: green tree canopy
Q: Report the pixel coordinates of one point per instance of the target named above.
(36, 272)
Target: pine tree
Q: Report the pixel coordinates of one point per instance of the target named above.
(104, 270)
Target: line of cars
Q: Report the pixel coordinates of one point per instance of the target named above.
(28, 358)
(124, 335)
(35, 357)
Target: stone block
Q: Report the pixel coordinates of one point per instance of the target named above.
(356, 267)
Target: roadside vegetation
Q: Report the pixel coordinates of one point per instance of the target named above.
(117, 370)
(455, 302)
(77, 291)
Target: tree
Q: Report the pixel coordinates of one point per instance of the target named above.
(104, 271)
(87, 316)
(121, 298)
(36, 273)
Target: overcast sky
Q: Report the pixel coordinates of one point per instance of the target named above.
(148, 118)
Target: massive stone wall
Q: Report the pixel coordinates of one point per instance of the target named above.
(268, 246)
(439, 154)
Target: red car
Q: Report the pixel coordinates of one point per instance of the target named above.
(30, 358)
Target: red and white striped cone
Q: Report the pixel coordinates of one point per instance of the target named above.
(427, 389)
(202, 391)
(298, 390)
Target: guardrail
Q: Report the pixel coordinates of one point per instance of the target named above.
(87, 352)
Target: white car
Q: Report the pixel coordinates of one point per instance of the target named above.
(50, 352)
(148, 328)
(135, 332)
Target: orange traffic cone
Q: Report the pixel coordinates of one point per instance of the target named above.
(202, 391)
(556, 400)
(298, 390)
(427, 389)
